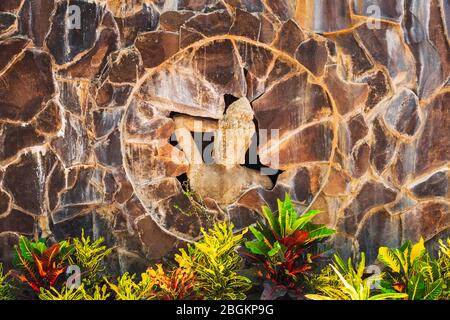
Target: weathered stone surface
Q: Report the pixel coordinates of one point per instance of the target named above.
(324, 16)
(436, 185)
(66, 42)
(348, 119)
(380, 229)
(402, 114)
(16, 137)
(210, 24)
(246, 25)
(35, 19)
(370, 196)
(313, 55)
(10, 49)
(33, 72)
(25, 180)
(156, 47)
(289, 37)
(131, 25)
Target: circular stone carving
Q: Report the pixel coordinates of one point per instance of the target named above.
(292, 115)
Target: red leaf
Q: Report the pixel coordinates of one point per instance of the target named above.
(298, 237)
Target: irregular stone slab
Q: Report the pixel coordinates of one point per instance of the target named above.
(73, 96)
(188, 37)
(402, 114)
(268, 29)
(210, 24)
(313, 55)
(10, 5)
(56, 183)
(437, 185)
(93, 62)
(380, 229)
(360, 160)
(379, 89)
(383, 147)
(65, 42)
(25, 180)
(256, 60)
(371, 195)
(282, 9)
(5, 201)
(296, 102)
(106, 150)
(385, 9)
(312, 144)
(17, 137)
(8, 23)
(17, 221)
(105, 121)
(156, 47)
(173, 20)
(49, 120)
(156, 242)
(10, 49)
(357, 60)
(323, 15)
(347, 96)
(428, 44)
(72, 146)
(33, 71)
(386, 47)
(351, 132)
(247, 5)
(35, 19)
(112, 96)
(246, 25)
(426, 220)
(125, 66)
(8, 240)
(142, 21)
(289, 37)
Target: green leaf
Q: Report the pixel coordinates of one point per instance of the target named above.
(435, 290)
(273, 223)
(26, 249)
(389, 296)
(388, 258)
(257, 247)
(274, 251)
(304, 219)
(416, 288)
(319, 232)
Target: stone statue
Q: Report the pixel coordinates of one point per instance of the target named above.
(226, 178)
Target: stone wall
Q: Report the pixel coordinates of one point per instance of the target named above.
(86, 117)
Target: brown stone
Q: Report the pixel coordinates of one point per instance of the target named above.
(323, 15)
(48, 121)
(156, 47)
(173, 20)
(10, 5)
(106, 150)
(347, 95)
(313, 55)
(282, 9)
(402, 114)
(246, 25)
(7, 23)
(106, 120)
(10, 49)
(379, 89)
(36, 23)
(188, 37)
(436, 185)
(17, 221)
(25, 180)
(132, 25)
(17, 137)
(389, 10)
(361, 160)
(289, 37)
(383, 147)
(33, 72)
(125, 66)
(94, 61)
(157, 243)
(210, 24)
(371, 195)
(4, 202)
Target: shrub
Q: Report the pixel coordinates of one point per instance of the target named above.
(286, 246)
(348, 283)
(410, 270)
(5, 288)
(40, 266)
(100, 293)
(215, 263)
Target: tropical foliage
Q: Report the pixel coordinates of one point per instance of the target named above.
(40, 266)
(411, 270)
(349, 283)
(286, 246)
(5, 289)
(215, 263)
